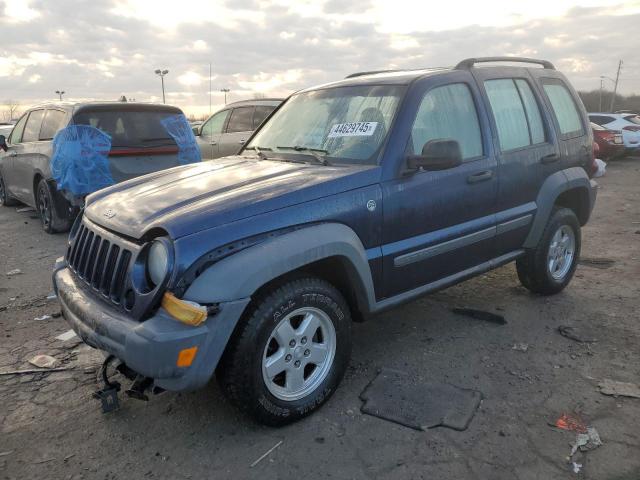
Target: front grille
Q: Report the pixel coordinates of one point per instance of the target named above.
(97, 259)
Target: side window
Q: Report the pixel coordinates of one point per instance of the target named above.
(54, 120)
(261, 112)
(564, 108)
(16, 133)
(531, 108)
(601, 119)
(215, 124)
(448, 112)
(512, 120)
(241, 120)
(32, 129)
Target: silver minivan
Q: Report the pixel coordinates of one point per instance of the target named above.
(138, 143)
(226, 131)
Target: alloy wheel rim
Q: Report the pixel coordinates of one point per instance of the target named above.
(45, 208)
(561, 252)
(299, 354)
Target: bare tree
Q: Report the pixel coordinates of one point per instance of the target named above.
(10, 109)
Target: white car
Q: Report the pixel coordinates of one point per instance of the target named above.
(627, 123)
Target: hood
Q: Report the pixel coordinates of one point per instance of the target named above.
(191, 198)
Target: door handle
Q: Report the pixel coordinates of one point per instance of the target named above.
(480, 176)
(213, 143)
(552, 157)
(241, 142)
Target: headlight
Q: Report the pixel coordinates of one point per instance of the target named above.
(157, 262)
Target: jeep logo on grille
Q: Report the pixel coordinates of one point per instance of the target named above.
(109, 213)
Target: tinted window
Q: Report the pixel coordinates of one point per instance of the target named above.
(215, 124)
(633, 119)
(241, 120)
(509, 114)
(564, 108)
(532, 110)
(595, 126)
(129, 127)
(16, 134)
(448, 113)
(32, 129)
(54, 120)
(601, 119)
(261, 112)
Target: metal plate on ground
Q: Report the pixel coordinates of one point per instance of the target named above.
(394, 396)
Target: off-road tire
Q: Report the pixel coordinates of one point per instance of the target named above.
(240, 373)
(533, 269)
(5, 199)
(51, 221)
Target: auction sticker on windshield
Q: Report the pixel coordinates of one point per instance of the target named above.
(353, 129)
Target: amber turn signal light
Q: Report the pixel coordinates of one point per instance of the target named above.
(183, 311)
(186, 356)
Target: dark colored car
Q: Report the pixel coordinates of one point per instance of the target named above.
(139, 144)
(352, 198)
(610, 144)
(226, 131)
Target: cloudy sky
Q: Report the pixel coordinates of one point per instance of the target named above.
(102, 49)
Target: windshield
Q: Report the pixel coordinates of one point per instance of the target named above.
(129, 128)
(346, 124)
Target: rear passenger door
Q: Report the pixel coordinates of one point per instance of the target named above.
(524, 144)
(25, 161)
(440, 223)
(238, 130)
(210, 133)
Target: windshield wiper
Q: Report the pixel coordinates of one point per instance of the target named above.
(258, 150)
(311, 151)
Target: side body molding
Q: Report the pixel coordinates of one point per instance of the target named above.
(241, 274)
(552, 188)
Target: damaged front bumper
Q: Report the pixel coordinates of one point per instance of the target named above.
(151, 347)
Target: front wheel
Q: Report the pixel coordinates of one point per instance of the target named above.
(5, 198)
(290, 352)
(548, 268)
(51, 221)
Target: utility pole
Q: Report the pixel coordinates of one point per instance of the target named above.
(209, 88)
(601, 87)
(615, 88)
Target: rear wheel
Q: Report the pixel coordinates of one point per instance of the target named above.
(548, 268)
(52, 222)
(290, 353)
(5, 198)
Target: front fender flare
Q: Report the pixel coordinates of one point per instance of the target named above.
(242, 274)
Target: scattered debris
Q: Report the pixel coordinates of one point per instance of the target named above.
(619, 389)
(25, 209)
(4, 454)
(480, 315)
(570, 422)
(46, 460)
(576, 467)
(602, 168)
(586, 441)
(572, 333)
(68, 335)
(33, 370)
(52, 296)
(65, 459)
(43, 317)
(16, 271)
(44, 361)
(56, 314)
(266, 454)
(597, 262)
(520, 347)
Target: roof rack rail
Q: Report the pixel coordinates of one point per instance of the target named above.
(467, 63)
(371, 72)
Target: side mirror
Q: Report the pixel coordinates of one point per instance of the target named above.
(3, 143)
(440, 154)
(196, 131)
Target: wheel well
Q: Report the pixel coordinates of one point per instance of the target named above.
(335, 270)
(36, 181)
(576, 199)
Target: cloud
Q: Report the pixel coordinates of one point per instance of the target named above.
(274, 47)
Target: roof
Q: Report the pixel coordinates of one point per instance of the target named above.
(255, 101)
(105, 105)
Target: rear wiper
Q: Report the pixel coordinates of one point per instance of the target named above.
(258, 150)
(311, 151)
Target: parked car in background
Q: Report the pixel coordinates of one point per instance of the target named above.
(139, 144)
(610, 142)
(225, 132)
(5, 129)
(627, 123)
(352, 198)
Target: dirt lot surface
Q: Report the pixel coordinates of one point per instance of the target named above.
(50, 427)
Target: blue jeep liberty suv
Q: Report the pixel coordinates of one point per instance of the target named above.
(351, 198)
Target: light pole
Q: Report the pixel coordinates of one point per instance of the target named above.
(225, 91)
(161, 74)
(60, 93)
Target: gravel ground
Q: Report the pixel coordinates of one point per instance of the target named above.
(50, 427)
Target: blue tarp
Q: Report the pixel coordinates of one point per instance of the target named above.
(178, 127)
(80, 162)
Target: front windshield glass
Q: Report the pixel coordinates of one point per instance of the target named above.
(344, 124)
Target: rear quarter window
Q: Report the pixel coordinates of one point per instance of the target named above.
(564, 108)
